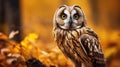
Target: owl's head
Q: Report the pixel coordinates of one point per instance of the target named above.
(69, 17)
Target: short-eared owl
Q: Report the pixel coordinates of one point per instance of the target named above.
(77, 42)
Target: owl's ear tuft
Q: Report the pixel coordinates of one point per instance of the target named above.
(77, 6)
(62, 6)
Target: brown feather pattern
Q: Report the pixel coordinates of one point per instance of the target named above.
(74, 45)
(77, 42)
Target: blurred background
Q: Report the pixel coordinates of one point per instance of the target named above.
(36, 16)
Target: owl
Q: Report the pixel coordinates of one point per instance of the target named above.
(75, 39)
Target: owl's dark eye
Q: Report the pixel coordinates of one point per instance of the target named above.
(63, 16)
(76, 16)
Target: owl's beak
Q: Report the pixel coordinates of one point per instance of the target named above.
(70, 23)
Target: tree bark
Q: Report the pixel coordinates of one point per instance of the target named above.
(2, 16)
(12, 17)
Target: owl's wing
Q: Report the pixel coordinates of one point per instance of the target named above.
(91, 46)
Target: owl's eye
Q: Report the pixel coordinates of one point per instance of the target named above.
(76, 16)
(63, 16)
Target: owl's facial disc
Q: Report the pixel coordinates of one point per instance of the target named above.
(70, 18)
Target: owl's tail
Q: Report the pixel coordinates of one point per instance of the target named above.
(78, 65)
(95, 64)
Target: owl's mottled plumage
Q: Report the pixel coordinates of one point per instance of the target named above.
(77, 42)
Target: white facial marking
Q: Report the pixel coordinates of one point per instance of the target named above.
(66, 21)
(66, 12)
(74, 12)
(68, 16)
